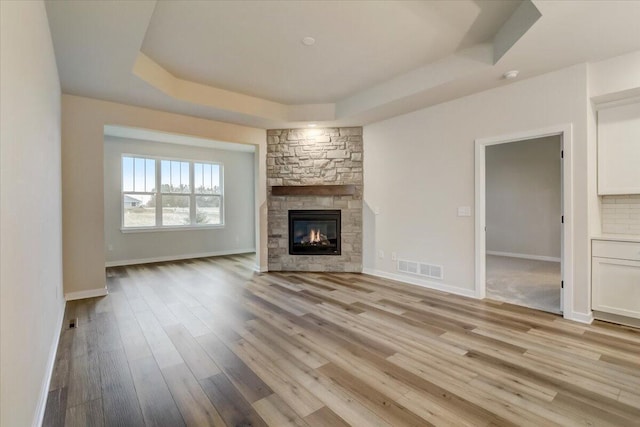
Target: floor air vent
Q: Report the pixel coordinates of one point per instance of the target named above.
(420, 269)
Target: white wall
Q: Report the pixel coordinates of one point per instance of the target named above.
(83, 121)
(419, 168)
(523, 197)
(31, 303)
(237, 235)
(615, 78)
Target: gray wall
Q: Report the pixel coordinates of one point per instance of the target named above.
(523, 196)
(237, 235)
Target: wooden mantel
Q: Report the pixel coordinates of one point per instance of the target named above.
(313, 190)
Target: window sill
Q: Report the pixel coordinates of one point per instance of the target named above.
(169, 228)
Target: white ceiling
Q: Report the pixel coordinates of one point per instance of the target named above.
(243, 61)
(254, 47)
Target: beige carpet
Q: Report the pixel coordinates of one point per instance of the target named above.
(531, 283)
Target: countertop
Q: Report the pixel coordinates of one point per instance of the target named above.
(617, 237)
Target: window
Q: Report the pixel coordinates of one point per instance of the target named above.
(161, 193)
(175, 192)
(138, 187)
(208, 195)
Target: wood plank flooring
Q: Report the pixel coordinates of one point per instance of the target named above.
(209, 342)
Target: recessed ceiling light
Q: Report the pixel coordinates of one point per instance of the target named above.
(511, 74)
(308, 41)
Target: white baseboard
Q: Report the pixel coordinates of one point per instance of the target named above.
(91, 293)
(177, 257)
(616, 318)
(44, 390)
(525, 256)
(423, 283)
(580, 317)
(259, 269)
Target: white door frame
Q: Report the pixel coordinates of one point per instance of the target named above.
(565, 131)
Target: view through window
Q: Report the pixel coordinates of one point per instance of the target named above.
(170, 193)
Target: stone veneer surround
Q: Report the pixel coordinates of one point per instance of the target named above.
(331, 156)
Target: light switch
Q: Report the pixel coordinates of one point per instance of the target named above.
(464, 211)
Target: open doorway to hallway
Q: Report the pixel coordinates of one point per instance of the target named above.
(524, 223)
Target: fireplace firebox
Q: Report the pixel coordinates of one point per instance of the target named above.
(314, 232)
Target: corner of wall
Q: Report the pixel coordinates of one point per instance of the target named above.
(580, 317)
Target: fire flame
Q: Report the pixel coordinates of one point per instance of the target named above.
(314, 236)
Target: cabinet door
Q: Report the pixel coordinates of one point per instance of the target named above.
(619, 150)
(616, 286)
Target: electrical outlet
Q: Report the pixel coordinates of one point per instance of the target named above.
(381, 254)
(394, 256)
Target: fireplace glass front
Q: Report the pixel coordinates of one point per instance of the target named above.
(314, 232)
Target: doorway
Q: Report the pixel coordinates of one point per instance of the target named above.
(522, 192)
(523, 220)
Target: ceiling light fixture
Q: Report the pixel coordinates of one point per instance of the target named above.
(312, 125)
(509, 75)
(308, 41)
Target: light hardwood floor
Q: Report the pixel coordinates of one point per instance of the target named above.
(209, 342)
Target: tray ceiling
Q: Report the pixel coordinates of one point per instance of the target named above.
(244, 61)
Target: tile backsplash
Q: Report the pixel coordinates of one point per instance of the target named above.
(621, 214)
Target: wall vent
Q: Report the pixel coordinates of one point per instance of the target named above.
(420, 269)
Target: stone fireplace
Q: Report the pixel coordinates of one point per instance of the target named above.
(314, 197)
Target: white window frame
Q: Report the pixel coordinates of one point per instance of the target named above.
(158, 194)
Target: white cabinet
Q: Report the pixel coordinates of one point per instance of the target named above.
(615, 278)
(619, 150)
